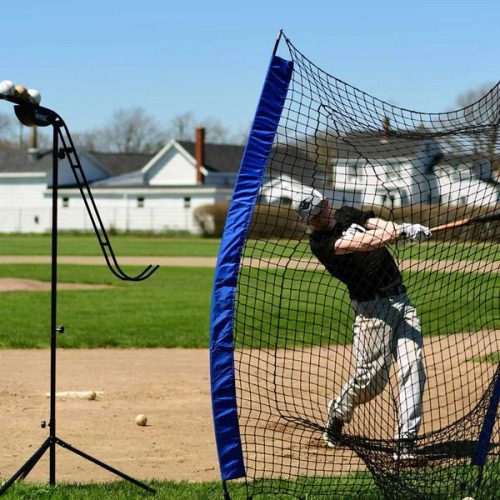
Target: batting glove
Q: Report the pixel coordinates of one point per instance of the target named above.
(414, 232)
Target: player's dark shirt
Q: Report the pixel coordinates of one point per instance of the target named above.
(364, 273)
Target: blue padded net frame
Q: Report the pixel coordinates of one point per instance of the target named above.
(246, 191)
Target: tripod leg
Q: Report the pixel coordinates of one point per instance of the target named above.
(67, 446)
(27, 467)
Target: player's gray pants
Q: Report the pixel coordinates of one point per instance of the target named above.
(386, 329)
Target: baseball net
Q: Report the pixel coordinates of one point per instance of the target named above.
(286, 341)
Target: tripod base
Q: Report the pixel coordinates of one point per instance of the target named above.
(50, 443)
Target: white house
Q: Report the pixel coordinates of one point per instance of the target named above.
(160, 192)
(132, 191)
(393, 171)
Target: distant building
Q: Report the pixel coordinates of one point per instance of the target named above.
(373, 169)
(132, 191)
(160, 192)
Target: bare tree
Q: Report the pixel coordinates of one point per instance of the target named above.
(6, 129)
(240, 135)
(133, 131)
(128, 131)
(474, 95)
(482, 104)
(216, 131)
(181, 127)
(89, 140)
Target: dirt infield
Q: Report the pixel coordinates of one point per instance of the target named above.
(479, 266)
(171, 387)
(23, 285)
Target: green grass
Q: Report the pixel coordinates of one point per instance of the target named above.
(172, 308)
(435, 483)
(284, 308)
(123, 244)
(494, 357)
(474, 250)
(117, 490)
(165, 490)
(175, 246)
(423, 251)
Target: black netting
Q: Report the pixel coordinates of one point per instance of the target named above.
(293, 325)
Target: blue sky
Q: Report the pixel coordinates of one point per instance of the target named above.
(89, 58)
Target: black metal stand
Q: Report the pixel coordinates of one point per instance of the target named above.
(30, 114)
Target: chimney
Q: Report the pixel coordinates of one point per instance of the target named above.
(33, 154)
(199, 154)
(386, 126)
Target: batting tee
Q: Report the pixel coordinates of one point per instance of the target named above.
(281, 327)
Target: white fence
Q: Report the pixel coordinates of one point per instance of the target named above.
(154, 219)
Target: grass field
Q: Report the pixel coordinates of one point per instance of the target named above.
(123, 244)
(165, 490)
(423, 251)
(238, 491)
(172, 309)
(165, 246)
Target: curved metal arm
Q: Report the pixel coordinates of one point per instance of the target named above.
(33, 115)
(83, 185)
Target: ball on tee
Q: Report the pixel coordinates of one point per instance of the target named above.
(141, 420)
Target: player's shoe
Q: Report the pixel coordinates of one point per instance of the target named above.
(334, 426)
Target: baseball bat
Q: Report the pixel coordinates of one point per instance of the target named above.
(466, 222)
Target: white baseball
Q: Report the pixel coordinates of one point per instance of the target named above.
(7, 87)
(468, 498)
(141, 420)
(35, 96)
(92, 395)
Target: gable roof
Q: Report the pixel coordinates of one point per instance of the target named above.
(376, 145)
(125, 168)
(122, 163)
(17, 161)
(218, 157)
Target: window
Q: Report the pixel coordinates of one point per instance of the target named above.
(140, 202)
(65, 202)
(392, 175)
(352, 171)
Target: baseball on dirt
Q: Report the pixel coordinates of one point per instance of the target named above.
(91, 395)
(141, 420)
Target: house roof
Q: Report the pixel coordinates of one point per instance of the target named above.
(218, 157)
(291, 161)
(376, 145)
(122, 163)
(17, 161)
